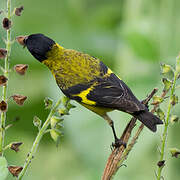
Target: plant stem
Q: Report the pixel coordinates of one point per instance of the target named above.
(6, 74)
(164, 137)
(37, 140)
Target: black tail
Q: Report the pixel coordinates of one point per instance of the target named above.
(148, 119)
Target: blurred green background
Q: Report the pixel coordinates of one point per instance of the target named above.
(132, 38)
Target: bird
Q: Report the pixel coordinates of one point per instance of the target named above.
(88, 81)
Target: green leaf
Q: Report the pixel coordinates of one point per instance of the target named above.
(70, 106)
(55, 121)
(157, 100)
(160, 113)
(63, 112)
(3, 168)
(55, 135)
(167, 84)
(167, 70)
(48, 103)
(65, 100)
(37, 122)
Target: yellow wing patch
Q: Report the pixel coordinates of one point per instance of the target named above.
(83, 96)
(109, 72)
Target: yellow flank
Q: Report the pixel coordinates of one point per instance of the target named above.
(98, 110)
(83, 96)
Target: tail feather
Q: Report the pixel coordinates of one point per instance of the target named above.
(148, 119)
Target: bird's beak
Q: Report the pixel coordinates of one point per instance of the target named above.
(22, 40)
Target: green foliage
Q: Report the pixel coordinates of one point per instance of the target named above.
(3, 168)
(137, 40)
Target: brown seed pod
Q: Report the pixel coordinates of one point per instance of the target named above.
(20, 40)
(3, 53)
(6, 23)
(19, 10)
(19, 99)
(15, 170)
(161, 163)
(3, 106)
(21, 68)
(15, 146)
(3, 80)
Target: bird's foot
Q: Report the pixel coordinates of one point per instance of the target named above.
(118, 143)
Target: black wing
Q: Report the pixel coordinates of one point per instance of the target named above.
(112, 92)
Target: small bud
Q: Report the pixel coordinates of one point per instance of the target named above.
(21, 68)
(65, 100)
(157, 100)
(15, 146)
(175, 152)
(15, 170)
(3, 80)
(54, 121)
(6, 23)
(167, 84)
(19, 99)
(174, 100)
(3, 106)
(3, 53)
(160, 114)
(70, 106)
(174, 119)
(19, 10)
(21, 39)
(55, 135)
(63, 112)
(48, 103)
(167, 70)
(161, 163)
(37, 122)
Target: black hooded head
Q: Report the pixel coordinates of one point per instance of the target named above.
(38, 45)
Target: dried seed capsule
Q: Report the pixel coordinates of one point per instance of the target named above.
(19, 10)
(21, 68)
(6, 23)
(15, 170)
(161, 163)
(3, 53)
(15, 146)
(19, 99)
(3, 80)
(3, 106)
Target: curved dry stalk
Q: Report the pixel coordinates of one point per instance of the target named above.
(117, 155)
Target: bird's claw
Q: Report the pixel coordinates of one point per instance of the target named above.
(118, 143)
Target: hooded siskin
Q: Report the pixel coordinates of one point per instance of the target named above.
(88, 80)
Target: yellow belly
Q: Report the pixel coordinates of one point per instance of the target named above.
(96, 109)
